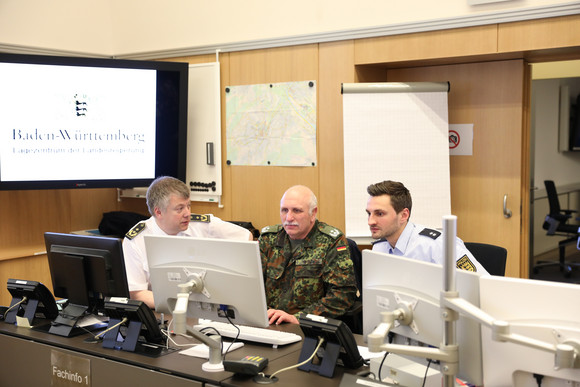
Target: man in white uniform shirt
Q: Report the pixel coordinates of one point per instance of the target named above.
(389, 210)
(170, 207)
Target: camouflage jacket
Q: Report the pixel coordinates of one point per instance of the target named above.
(318, 278)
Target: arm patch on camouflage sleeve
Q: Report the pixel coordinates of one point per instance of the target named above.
(464, 263)
(132, 233)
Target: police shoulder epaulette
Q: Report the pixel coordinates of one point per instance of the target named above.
(428, 232)
(271, 229)
(200, 218)
(329, 230)
(132, 233)
(378, 241)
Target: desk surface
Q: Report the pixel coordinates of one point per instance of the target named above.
(294, 377)
(171, 364)
(291, 377)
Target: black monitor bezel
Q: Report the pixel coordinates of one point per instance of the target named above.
(171, 129)
(90, 248)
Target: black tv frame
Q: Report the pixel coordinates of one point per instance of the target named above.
(171, 120)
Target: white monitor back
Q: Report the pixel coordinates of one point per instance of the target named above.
(390, 280)
(542, 310)
(231, 271)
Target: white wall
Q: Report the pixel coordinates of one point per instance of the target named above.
(83, 27)
(562, 167)
(550, 164)
(121, 27)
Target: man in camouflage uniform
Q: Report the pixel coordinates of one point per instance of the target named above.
(306, 263)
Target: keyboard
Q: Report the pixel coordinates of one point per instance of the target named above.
(259, 335)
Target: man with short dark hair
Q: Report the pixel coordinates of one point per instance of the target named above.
(389, 209)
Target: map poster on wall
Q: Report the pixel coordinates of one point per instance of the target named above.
(271, 124)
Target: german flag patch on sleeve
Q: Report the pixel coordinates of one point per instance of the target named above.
(464, 263)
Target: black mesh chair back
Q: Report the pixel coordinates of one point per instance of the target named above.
(493, 258)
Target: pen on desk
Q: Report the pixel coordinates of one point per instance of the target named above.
(39, 253)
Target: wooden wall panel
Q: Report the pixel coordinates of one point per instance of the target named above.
(525, 179)
(88, 206)
(34, 268)
(490, 96)
(336, 62)
(539, 34)
(427, 45)
(26, 215)
(284, 64)
(257, 190)
(138, 205)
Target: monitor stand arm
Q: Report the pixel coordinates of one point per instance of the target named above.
(214, 342)
(448, 353)
(566, 355)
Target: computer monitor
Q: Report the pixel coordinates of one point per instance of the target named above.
(227, 273)
(84, 270)
(391, 282)
(541, 310)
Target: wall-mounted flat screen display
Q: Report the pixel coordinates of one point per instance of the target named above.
(68, 122)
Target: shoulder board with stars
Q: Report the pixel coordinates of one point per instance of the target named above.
(428, 232)
(200, 218)
(132, 233)
(378, 241)
(329, 230)
(271, 229)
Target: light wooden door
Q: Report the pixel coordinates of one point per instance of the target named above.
(493, 97)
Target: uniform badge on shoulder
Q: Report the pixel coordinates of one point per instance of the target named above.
(270, 229)
(329, 230)
(429, 232)
(200, 218)
(465, 263)
(132, 233)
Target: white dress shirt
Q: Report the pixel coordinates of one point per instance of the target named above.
(136, 264)
(419, 242)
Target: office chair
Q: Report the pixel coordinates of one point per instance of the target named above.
(492, 258)
(556, 223)
(353, 316)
